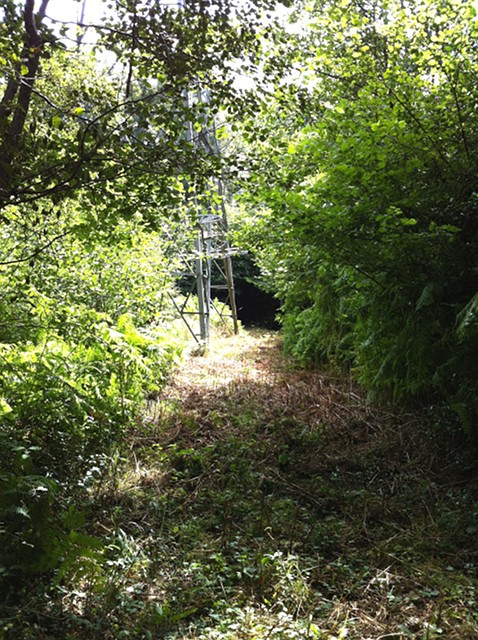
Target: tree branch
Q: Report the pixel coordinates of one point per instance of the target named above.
(134, 35)
(37, 252)
(33, 37)
(41, 11)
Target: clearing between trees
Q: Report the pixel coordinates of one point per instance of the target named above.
(258, 501)
(270, 502)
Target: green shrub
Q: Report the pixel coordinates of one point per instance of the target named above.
(63, 407)
(367, 225)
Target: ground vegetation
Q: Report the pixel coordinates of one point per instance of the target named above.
(242, 494)
(257, 500)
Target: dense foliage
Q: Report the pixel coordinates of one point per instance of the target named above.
(99, 154)
(357, 166)
(366, 187)
(74, 371)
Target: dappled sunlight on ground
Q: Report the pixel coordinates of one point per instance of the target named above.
(255, 500)
(252, 354)
(360, 506)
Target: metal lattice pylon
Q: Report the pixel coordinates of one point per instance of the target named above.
(208, 258)
(209, 266)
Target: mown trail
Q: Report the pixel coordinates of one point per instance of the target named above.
(269, 502)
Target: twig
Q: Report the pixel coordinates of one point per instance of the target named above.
(37, 251)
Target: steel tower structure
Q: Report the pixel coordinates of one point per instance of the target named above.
(209, 261)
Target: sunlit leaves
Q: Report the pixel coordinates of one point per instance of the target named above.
(369, 185)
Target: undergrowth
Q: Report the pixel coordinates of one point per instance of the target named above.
(255, 501)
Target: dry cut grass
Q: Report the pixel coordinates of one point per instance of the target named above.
(258, 501)
(298, 499)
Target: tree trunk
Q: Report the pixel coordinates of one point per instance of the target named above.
(15, 103)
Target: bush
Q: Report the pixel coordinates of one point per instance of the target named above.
(64, 404)
(368, 226)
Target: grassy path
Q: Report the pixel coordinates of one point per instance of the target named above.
(279, 505)
(259, 502)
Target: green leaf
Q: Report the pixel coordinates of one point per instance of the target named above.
(427, 296)
(21, 511)
(468, 317)
(4, 407)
